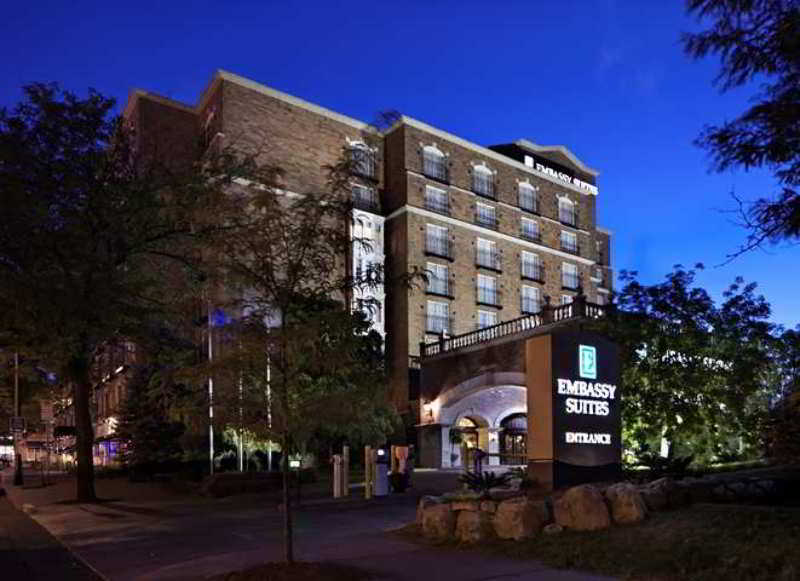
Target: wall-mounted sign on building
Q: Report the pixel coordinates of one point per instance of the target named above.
(573, 408)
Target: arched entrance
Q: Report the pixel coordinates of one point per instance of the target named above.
(514, 439)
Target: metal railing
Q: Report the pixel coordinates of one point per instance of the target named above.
(483, 185)
(569, 247)
(530, 306)
(570, 281)
(533, 271)
(486, 295)
(365, 199)
(528, 233)
(529, 202)
(440, 286)
(568, 216)
(438, 324)
(440, 204)
(490, 259)
(439, 246)
(362, 162)
(486, 220)
(579, 308)
(435, 167)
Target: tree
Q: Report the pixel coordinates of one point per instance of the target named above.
(757, 40)
(693, 371)
(95, 238)
(299, 360)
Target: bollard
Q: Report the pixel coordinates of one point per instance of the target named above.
(368, 461)
(346, 471)
(337, 476)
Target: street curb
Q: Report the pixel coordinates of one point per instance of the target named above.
(75, 555)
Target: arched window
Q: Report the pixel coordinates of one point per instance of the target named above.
(528, 200)
(483, 181)
(434, 163)
(514, 441)
(566, 211)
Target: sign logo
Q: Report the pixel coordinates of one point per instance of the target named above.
(587, 359)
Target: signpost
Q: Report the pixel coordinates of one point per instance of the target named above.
(575, 428)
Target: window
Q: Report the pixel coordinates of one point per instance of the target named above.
(599, 247)
(362, 160)
(528, 198)
(531, 299)
(434, 163)
(438, 319)
(486, 319)
(569, 276)
(601, 299)
(483, 181)
(438, 281)
(364, 197)
(485, 215)
(569, 241)
(436, 200)
(531, 266)
(486, 254)
(566, 211)
(530, 229)
(487, 289)
(437, 242)
(566, 299)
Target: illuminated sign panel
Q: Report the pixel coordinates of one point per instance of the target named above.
(587, 428)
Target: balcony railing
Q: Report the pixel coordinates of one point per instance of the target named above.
(533, 271)
(442, 247)
(568, 217)
(534, 235)
(529, 202)
(435, 168)
(443, 287)
(439, 324)
(362, 162)
(580, 308)
(489, 296)
(366, 199)
(490, 259)
(483, 185)
(486, 220)
(571, 247)
(438, 204)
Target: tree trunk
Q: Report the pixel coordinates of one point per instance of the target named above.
(287, 506)
(84, 431)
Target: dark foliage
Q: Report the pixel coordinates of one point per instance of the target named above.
(483, 482)
(757, 40)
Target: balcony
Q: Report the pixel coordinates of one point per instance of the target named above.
(490, 259)
(365, 199)
(442, 287)
(531, 234)
(486, 220)
(362, 163)
(532, 271)
(439, 324)
(489, 296)
(435, 168)
(568, 217)
(483, 185)
(571, 247)
(441, 247)
(438, 204)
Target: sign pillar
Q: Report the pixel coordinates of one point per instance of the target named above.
(574, 424)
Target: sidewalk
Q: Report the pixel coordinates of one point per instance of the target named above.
(29, 553)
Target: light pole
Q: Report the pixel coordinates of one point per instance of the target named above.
(18, 478)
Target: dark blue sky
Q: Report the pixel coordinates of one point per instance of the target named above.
(607, 79)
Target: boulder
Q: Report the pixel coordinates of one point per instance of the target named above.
(552, 529)
(438, 521)
(489, 506)
(626, 503)
(425, 502)
(473, 526)
(520, 518)
(471, 505)
(582, 508)
(655, 498)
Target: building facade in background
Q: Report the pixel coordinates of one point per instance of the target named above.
(502, 231)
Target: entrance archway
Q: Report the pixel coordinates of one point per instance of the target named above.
(514, 439)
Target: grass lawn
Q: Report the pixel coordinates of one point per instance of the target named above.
(703, 542)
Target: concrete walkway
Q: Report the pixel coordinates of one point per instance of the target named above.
(181, 538)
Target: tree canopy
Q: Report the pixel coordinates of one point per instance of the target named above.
(757, 41)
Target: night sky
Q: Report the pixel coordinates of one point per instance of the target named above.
(607, 79)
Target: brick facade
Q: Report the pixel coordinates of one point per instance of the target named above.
(303, 139)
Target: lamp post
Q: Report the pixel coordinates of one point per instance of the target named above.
(18, 477)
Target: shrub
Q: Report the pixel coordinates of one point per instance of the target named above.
(483, 482)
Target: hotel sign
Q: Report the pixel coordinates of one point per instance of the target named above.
(574, 395)
(560, 175)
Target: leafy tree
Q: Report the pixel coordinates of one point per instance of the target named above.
(693, 371)
(757, 40)
(95, 238)
(300, 361)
